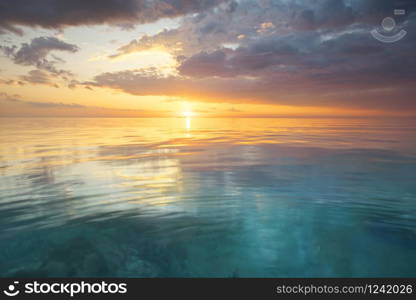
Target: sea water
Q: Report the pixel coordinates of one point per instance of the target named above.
(200, 197)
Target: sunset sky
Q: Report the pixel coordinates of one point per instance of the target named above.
(204, 58)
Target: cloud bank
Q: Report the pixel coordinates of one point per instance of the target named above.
(314, 53)
(57, 14)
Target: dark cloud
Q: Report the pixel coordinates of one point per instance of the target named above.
(36, 53)
(246, 20)
(206, 64)
(199, 31)
(311, 53)
(6, 28)
(295, 52)
(169, 38)
(53, 14)
(147, 82)
(281, 89)
(72, 84)
(349, 69)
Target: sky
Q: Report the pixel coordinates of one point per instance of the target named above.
(207, 58)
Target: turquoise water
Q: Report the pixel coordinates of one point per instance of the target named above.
(207, 197)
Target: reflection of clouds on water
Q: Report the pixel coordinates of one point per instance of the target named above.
(154, 181)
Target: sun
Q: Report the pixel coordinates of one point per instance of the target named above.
(187, 114)
(186, 110)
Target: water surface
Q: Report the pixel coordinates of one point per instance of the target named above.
(207, 197)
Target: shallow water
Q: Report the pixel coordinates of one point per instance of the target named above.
(207, 197)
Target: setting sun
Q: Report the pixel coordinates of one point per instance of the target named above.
(187, 114)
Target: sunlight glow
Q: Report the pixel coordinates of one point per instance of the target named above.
(187, 114)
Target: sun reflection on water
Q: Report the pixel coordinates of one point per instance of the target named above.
(188, 123)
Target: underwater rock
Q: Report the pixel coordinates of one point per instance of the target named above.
(29, 271)
(403, 237)
(75, 258)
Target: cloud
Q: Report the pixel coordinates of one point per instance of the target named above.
(36, 53)
(304, 53)
(15, 106)
(38, 77)
(57, 14)
(169, 39)
(146, 82)
(204, 30)
(349, 69)
(11, 82)
(16, 99)
(282, 54)
(245, 20)
(206, 64)
(284, 91)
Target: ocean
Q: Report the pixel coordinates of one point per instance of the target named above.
(207, 197)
